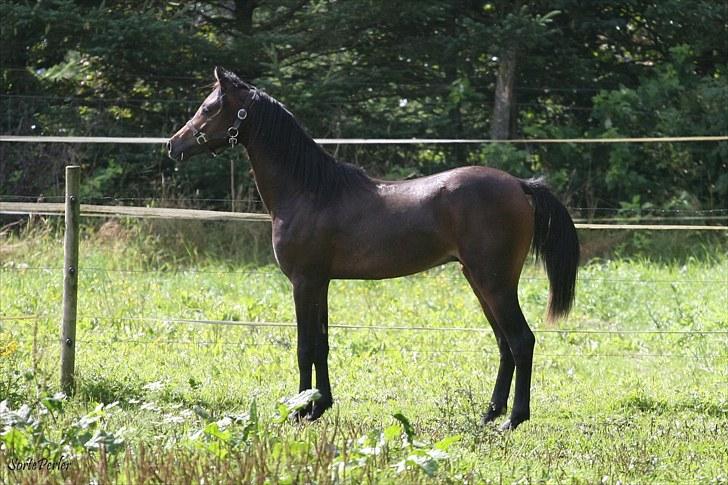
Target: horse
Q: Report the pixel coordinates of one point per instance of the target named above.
(330, 220)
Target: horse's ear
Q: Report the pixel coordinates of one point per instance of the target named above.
(227, 80)
(224, 78)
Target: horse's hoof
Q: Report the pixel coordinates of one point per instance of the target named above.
(318, 410)
(300, 415)
(492, 414)
(511, 423)
(506, 426)
(297, 416)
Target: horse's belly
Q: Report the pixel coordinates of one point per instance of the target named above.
(389, 256)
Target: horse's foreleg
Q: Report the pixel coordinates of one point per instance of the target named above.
(312, 321)
(320, 359)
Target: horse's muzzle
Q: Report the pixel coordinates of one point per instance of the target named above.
(174, 154)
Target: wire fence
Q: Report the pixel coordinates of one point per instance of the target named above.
(626, 211)
(702, 215)
(718, 336)
(586, 218)
(271, 273)
(381, 141)
(89, 210)
(693, 340)
(409, 349)
(429, 351)
(382, 327)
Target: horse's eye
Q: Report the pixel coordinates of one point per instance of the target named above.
(205, 110)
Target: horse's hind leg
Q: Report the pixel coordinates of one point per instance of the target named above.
(493, 243)
(499, 398)
(498, 294)
(504, 305)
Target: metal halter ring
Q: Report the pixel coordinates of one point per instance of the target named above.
(242, 114)
(201, 138)
(233, 135)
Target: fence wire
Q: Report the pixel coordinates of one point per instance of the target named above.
(378, 327)
(381, 141)
(276, 273)
(407, 328)
(110, 198)
(242, 344)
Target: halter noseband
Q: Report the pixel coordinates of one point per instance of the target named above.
(232, 132)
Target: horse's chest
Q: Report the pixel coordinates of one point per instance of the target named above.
(297, 245)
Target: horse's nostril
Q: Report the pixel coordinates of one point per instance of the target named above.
(169, 145)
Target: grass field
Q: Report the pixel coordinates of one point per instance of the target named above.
(176, 402)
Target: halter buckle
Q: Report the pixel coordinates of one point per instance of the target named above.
(201, 138)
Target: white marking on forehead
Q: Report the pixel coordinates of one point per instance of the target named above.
(213, 95)
(211, 98)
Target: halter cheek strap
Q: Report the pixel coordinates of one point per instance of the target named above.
(233, 131)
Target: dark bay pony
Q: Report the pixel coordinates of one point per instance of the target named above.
(330, 220)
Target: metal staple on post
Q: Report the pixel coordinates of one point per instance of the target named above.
(70, 279)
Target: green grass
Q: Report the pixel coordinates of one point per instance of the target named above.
(629, 407)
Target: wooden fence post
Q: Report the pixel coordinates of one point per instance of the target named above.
(70, 279)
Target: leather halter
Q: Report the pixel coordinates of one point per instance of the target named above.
(232, 132)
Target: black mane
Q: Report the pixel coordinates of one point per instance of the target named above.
(311, 166)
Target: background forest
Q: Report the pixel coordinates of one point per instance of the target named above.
(370, 68)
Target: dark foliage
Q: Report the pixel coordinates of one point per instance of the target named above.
(375, 69)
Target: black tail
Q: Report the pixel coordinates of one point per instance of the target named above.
(555, 242)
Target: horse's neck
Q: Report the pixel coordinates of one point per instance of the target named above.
(285, 177)
(270, 178)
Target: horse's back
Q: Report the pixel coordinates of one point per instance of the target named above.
(465, 196)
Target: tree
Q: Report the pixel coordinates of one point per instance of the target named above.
(432, 68)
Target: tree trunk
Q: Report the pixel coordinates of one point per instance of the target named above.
(502, 119)
(244, 15)
(456, 118)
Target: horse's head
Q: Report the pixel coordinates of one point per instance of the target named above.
(219, 120)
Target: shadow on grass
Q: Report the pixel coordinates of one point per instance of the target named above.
(647, 404)
(102, 389)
